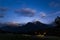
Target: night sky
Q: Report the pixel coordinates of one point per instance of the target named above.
(23, 11)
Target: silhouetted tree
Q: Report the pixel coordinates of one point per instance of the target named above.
(57, 21)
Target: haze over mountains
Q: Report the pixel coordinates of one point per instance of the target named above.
(32, 27)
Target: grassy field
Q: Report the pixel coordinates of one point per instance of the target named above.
(10, 36)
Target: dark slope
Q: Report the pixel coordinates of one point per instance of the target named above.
(29, 27)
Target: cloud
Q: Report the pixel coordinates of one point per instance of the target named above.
(42, 14)
(36, 19)
(1, 16)
(26, 12)
(55, 13)
(58, 12)
(3, 9)
(54, 4)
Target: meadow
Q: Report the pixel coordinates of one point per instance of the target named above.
(10, 36)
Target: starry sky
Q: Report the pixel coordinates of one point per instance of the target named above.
(23, 11)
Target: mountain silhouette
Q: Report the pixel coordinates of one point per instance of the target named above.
(32, 27)
(29, 27)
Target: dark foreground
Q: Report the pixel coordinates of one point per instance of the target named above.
(10, 36)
